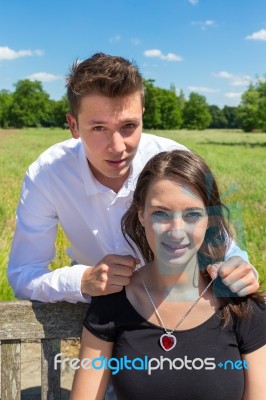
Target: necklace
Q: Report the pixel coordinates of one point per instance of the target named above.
(167, 339)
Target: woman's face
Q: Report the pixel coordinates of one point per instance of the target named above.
(175, 222)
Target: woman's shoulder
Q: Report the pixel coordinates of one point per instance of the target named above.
(103, 315)
(108, 303)
(251, 330)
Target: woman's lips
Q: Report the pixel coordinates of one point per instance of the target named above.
(175, 248)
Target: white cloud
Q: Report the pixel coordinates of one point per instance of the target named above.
(233, 95)
(223, 74)
(159, 54)
(205, 24)
(193, 2)
(202, 89)
(44, 77)
(115, 39)
(135, 41)
(235, 80)
(260, 35)
(241, 80)
(9, 54)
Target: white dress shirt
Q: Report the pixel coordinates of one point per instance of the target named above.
(60, 188)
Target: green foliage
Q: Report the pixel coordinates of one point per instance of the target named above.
(152, 116)
(171, 117)
(6, 100)
(162, 109)
(252, 110)
(59, 110)
(31, 105)
(232, 116)
(248, 110)
(218, 121)
(196, 113)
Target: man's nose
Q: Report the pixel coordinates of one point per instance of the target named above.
(117, 143)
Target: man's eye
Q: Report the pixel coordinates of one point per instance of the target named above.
(98, 128)
(129, 126)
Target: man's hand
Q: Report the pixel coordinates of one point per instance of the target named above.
(238, 275)
(109, 275)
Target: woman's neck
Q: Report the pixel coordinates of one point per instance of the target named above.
(181, 283)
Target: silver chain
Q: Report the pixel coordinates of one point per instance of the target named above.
(184, 316)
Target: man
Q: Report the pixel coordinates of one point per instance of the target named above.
(86, 184)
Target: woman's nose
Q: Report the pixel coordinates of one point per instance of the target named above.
(177, 228)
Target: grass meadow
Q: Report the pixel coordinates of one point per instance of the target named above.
(237, 159)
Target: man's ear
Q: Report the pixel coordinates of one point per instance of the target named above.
(141, 218)
(73, 126)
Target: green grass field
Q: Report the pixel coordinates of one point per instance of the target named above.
(237, 159)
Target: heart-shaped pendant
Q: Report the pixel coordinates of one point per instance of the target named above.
(168, 341)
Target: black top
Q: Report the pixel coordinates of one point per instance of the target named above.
(205, 363)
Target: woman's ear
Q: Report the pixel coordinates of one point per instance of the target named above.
(73, 126)
(141, 217)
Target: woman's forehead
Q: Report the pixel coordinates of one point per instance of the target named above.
(173, 191)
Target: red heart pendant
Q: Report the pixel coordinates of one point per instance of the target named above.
(168, 341)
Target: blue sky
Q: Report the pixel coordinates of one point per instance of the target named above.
(213, 47)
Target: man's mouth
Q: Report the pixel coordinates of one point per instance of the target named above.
(117, 163)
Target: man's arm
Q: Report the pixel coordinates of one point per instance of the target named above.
(33, 248)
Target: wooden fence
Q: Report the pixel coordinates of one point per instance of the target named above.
(36, 321)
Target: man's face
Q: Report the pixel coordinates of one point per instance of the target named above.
(110, 130)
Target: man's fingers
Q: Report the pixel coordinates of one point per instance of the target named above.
(249, 289)
(237, 275)
(115, 259)
(244, 284)
(119, 280)
(213, 270)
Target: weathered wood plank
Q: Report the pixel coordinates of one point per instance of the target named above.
(50, 377)
(10, 370)
(37, 320)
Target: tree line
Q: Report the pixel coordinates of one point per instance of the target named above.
(30, 106)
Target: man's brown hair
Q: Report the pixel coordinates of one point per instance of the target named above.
(102, 74)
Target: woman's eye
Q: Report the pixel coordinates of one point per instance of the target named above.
(193, 216)
(160, 214)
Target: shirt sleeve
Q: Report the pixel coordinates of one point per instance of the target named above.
(33, 248)
(100, 318)
(251, 332)
(235, 250)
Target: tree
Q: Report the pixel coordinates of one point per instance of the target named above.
(249, 110)
(252, 110)
(181, 99)
(31, 105)
(6, 100)
(171, 116)
(232, 116)
(261, 88)
(196, 114)
(218, 120)
(59, 110)
(152, 113)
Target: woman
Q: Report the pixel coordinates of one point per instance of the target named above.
(172, 333)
